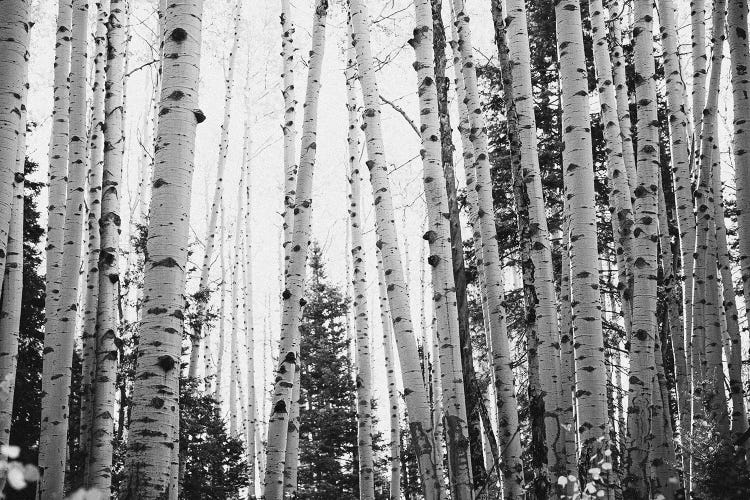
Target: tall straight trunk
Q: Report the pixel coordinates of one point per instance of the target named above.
(472, 391)
(548, 347)
(415, 392)
(645, 325)
(394, 445)
(278, 425)
(247, 269)
(509, 437)
(737, 12)
(218, 191)
(100, 476)
(708, 382)
(16, 29)
(154, 422)
(578, 170)
(220, 375)
(234, 362)
(619, 79)
(700, 64)
(93, 202)
(58, 340)
(664, 480)
(621, 209)
(680, 154)
(359, 300)
(438, 237)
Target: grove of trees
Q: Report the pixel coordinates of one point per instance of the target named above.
(529, 281)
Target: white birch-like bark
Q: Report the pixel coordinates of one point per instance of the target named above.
(93, 202)
(394, 445)
(445, 311)
(16, 32)
(578, 173)
(278, 427)
(222, 348)
(100, 475)
(288, 127)
(737, 11)
(508, 436)
(218, 190)
(359, 298)
(699, 58)
(680, 154)
(58, 339)
(153, 420)
(415, 392)
(234, 365)
(619, 80)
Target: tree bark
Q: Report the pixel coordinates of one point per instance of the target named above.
(153, 420)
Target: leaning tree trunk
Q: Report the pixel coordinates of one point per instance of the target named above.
(680, 154)
(578, 170)
(359, 300)
(509, 437)
(218, 193)
(58, 339)
(415, 392)
(645, 269)
(153, 420)
(14, 32)
(737, 12)
(278, 425)
(438, 236)
(100, 476)
(394, 445)
(96, 161)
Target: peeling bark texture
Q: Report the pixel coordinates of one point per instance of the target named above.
(680, 154)
(153, 421)
(359, 285)
(438, 238)
(14, 33)
(737, 11)
(59, 336)
(394, 445)
(578, 173)
(93, 202)
(102, 431)
(218, 191)
(278, 426)
(708, 378)
(415, 392)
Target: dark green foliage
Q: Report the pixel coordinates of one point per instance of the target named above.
(719, 473)
(212, 463)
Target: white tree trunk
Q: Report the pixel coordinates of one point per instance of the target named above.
(278, 426)
(222, 348)
(235, 376)
(218, 191)
(578, 172)
(415, 392)
(153, 421)
(58, 339)
(700, 65)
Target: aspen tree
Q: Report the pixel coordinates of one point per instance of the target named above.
(708, 382)
(394, 457)
(680, 155)
(14, 28)
(700, 64)
(359, 285)
(578, 173)
(504, 381)
(58, 342)
(621, 209)
(234, 365)
(415, 392)
(296, 270)
(93, 201)
(153, 422)
(15, 32)
(222, 348)
(541, 252)
(737, 11)
(100, 476)
(218, 189)
(438, 236)
(664, 480)
(619, 80)
(288, 127)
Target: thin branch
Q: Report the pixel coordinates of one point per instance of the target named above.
(400, 111)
